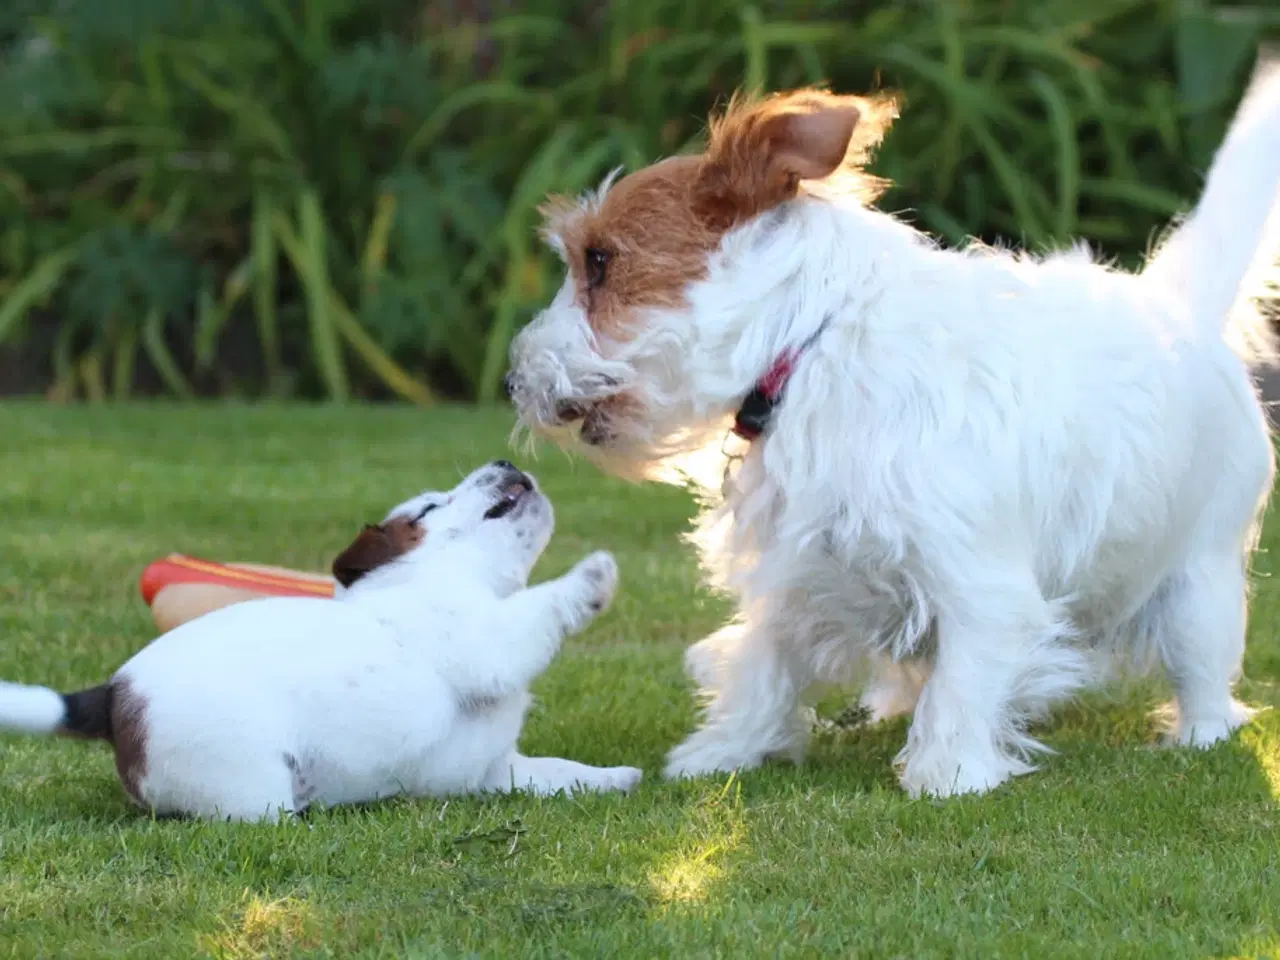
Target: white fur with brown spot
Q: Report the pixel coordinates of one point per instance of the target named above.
(413, 680)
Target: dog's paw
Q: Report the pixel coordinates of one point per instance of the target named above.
(1205, 730)
(702, 755)
(598, 576)
(613, 780)
(932, 771)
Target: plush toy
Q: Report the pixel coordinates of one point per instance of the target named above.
(179, 588)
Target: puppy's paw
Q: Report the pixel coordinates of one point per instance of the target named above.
(598, 577)
(611, 780)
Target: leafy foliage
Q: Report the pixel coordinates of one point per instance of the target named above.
(350, 187)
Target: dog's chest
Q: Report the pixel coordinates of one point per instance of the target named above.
(844, 572)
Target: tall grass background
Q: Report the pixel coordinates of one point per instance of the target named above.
(336, 199)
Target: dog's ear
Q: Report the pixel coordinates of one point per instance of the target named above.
(370, 550)
(376, 546)
(759, 150)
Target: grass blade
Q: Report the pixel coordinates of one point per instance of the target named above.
(344, 322)
(1064, 134)
(125, 355)
(374, 260)
(262, 251)
(158, 353)
(34, 288)
(310, 261)
(493, 93)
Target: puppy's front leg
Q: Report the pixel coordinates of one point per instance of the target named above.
(522, 633)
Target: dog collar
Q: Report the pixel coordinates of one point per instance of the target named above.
(757, 407)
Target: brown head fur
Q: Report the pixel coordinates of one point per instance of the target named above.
(657, 226)
(376, 546)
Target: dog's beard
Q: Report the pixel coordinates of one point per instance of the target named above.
(625, 407)
(631, 438)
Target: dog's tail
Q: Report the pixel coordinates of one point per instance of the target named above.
(30, 709)
(1224, 253)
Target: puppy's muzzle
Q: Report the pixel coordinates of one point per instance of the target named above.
(513, 487)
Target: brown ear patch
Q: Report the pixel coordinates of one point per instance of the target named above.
(657, 226)
(760, 149)
(376, 546)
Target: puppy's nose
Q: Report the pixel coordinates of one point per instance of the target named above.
(509, 385)
(504, 464)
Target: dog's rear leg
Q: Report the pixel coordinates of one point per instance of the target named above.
(1197, 620)
(894, 687)
(550, 775)
(223, 784)
(1001, 660)
(752, 688)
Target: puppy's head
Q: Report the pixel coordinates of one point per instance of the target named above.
(628, 360)
(496, 519)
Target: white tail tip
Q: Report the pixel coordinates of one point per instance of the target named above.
(27, 709)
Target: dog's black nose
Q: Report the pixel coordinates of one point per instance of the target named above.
(509, 384)
(504, 464)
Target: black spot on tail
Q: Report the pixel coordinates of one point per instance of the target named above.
(88, 713)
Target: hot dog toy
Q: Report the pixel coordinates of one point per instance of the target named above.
(179, 588)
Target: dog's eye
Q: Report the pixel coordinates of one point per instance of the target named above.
(597, 265)
(424, 511)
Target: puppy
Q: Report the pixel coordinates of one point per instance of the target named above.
(413, 680)
(989, 475)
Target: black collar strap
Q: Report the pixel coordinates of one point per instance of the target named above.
(757, 407)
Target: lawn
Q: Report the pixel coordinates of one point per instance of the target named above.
(1113, 849)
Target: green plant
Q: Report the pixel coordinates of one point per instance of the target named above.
(351, 187)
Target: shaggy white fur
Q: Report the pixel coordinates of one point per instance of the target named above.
(991, 475)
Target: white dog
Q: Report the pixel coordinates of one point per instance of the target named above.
(990, 474)
(412, 681)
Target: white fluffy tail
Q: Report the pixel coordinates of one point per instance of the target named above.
(1224, 253)
(27, 709)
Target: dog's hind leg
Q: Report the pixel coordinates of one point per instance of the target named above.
(221, 782)
(1002, 659)
(894, 687)
(1197, 623)
(1197, 618)
(545, 776)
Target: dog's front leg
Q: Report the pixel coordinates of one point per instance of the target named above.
(752, 687)
(523, 632)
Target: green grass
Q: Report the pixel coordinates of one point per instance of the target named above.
(1113, 849)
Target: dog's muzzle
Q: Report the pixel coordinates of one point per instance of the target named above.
(513, 487)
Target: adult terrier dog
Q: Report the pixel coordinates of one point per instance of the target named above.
(991, 473)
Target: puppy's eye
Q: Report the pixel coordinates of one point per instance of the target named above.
(424, 511)
(597, 266)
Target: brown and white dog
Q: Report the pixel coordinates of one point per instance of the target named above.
(991, 474)
(412, 680)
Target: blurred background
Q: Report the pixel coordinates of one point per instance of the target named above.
(336, 199)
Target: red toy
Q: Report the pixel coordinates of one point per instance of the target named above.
(180, 588)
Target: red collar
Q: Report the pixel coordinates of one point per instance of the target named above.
(757, 407)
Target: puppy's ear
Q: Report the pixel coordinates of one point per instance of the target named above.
(370, 550)
(760, 150)
(376, 546)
